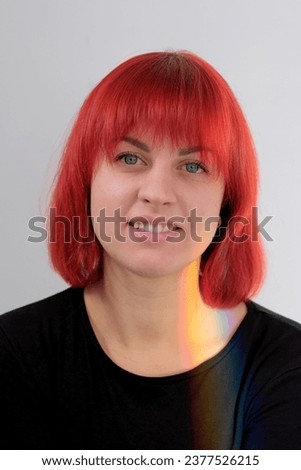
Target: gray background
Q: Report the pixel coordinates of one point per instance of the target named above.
(54, 52)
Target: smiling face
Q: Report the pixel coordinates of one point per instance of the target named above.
(146, 181)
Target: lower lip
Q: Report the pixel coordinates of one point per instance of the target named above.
(155, 237)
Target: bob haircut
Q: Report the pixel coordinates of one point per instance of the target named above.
(179, 96)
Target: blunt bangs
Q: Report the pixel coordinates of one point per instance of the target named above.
(171, 96)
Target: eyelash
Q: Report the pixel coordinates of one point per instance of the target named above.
(125, 154)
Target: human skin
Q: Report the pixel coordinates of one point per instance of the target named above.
(148, 301)
(157, 184)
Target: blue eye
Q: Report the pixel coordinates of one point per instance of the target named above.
(195, 166)
(129, 158)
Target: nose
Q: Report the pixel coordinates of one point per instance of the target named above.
(157, 188)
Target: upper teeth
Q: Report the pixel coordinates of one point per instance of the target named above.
(150, 228)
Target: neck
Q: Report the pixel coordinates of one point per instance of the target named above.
(155, 309)
(164, 318)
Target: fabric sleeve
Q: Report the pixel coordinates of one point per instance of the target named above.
(273, 418)
(24, 422)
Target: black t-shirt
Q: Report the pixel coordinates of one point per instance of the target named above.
(59, 390)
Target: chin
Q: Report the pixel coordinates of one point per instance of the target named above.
(153, 273)
(152, 265)
(150, 269)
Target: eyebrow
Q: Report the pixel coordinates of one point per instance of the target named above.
(142, 146)
(137, 143)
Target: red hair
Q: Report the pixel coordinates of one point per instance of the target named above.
(179, 96)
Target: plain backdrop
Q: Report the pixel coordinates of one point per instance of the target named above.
(54, 52)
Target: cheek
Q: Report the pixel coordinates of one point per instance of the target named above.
(107, 207)
(108, 189)
(205, 219)
(103, 194)
(209, 201)
(98, 201)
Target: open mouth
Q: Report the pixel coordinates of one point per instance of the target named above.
(159, 228)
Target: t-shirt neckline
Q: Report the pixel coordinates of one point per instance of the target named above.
(78, 297)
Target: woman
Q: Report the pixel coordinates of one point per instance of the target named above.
(156, 344)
